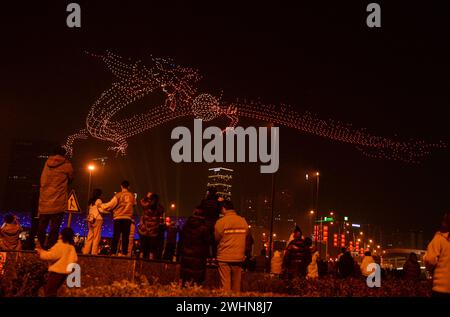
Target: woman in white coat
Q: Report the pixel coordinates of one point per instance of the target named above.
(95, 222)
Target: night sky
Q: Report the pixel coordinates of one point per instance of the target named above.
(313, 55)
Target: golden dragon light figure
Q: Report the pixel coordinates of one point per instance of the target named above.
(134, 81)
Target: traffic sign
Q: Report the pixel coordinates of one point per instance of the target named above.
(72, 203)
(326, 219)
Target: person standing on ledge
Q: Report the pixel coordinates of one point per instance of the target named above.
(55, 178)
(230, 233)
(121, 205)
(95, 222)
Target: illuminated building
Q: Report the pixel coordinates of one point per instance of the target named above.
(249, 211)
(221, 178)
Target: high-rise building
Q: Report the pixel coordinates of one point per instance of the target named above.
(221, 178)
(24, 170)
(249, 210)
(264, 210)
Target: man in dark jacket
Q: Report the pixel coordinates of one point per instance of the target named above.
(194, 244)
(171, 240)
(211, 208)
(346, 265)
(411, 268)
(297, 257)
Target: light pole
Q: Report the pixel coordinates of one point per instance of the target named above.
(316, 206)
(273, 199)
(271, 217)
(90, 168)
(311, 220)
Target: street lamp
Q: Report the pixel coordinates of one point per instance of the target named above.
(316, 203)
(90, 168)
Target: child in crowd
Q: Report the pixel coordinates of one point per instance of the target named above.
(60, 256)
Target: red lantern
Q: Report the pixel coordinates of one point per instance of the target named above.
(335, 240)
(342, 240)
(325, 233)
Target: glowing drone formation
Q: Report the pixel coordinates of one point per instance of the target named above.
(134, 80)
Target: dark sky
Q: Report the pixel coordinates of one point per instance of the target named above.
(314, 55)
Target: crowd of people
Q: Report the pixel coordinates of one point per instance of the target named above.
(214, 233)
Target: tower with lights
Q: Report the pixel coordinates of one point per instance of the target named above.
(221, 178)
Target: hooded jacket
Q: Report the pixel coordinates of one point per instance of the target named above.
(55, 177)
(231, 233)
(438, 257)
(9, 236)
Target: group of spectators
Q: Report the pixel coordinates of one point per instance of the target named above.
(214, 233)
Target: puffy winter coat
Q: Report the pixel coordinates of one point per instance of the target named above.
(55, 177)
(151, 219)
(296, 259)
(194, 246)
(438, 257)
